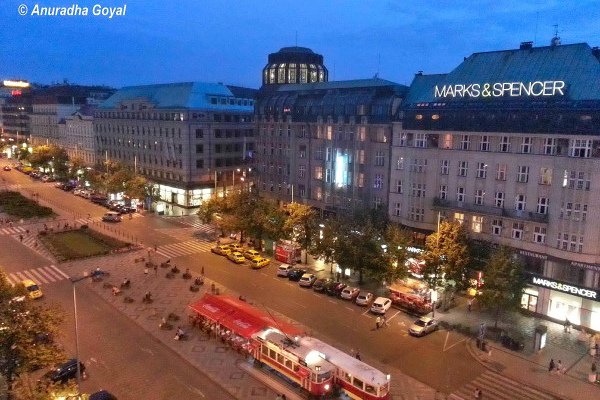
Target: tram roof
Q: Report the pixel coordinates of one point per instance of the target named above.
(239, 316)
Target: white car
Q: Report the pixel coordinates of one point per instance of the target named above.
(364, 298)
(283, 270)
(423, 326)
(349, 293)
(307, 280)
(381, 305)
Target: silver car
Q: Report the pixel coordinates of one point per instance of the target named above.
(349, 293)
(364, 298)
(423, 326)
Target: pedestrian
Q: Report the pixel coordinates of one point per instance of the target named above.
(357, 355)
(27, 231)
(155, 247)
(477, 394)
(202, 270)
(384, 321)
(469, 304)
(377, 322)
(567, 325)
(559, 367)
(552, 365)
(146, 271)
(283, 397)
(21, 238)
(155, 269)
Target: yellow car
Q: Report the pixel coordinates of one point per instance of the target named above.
(236, 257)
(33, 289)
(251, 254)
(221, 250)
(236, 247)
(259, 262)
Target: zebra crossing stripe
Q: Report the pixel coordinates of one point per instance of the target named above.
(60, 272)
(51, 273)
(21, 276)
(12, 278)
(37, 275)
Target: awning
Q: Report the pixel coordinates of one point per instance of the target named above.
(239, 316)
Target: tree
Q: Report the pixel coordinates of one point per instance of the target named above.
(25, 387)
(27, 331)
(77, 164)
(41, 156)
(209, 208)
(59, 162)
(136, 187)
(300, 225)
(397, 241)
(504, 283)
(115, 182)
(324, 244)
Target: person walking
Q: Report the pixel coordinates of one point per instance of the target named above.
(469, 304)
(146, 271)
(477, 394)
(155, 269)
(567, 325)
(377, 322)
(357, 356)
(552, 365)
(559, 367)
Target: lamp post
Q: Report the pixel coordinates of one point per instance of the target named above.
(73, 283)
(434, 297)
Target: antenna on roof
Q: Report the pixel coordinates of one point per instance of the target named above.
(555, 40)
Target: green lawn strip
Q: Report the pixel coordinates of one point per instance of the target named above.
(80, 243)
(15, 204)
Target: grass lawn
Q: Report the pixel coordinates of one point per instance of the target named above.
(80, 243)
(16, 205)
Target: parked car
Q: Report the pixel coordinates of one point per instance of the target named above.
(221, 250)
(321, 283)
(251, 254)
(65, 372)
(364, 298)
(307, 280)
(33, 289)
(381, 305)
(111, 216)
(284, 269)
(259, 262)
(349, 293)
(6, 168)
(335, 288)
(47, 178)
(236, 257)
(237, 247)
(102, 395)
(423, 326)
(98, 199)
(296, 274)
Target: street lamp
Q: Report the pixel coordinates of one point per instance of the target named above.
(434, 297)
(73, 282)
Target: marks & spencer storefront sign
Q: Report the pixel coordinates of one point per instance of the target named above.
(568, 288)
(501, 89)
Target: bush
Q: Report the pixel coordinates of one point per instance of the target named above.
(15, 204)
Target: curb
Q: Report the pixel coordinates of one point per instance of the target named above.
(277, 386)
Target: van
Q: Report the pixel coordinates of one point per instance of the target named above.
(283, 269)
(111, 216)
(381, 305)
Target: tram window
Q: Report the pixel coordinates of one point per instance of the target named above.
(369, 389)
(280, 358)
(265, 350)
(272, 354)
(358, 383)
(296, 368)
(288, 364)
(347, 377)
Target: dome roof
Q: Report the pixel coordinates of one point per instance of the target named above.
(295, 49)
(294, 64)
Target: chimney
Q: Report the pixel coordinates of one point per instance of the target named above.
(526, 45)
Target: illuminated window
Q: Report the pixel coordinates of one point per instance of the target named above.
(476, 223)
(459, 217)
(447, 141)
(418, 117)
(545, 176)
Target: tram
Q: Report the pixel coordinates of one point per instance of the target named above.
(312, 364)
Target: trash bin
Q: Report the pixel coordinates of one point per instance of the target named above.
(540, 337)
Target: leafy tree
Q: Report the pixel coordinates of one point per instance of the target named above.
(324, 244)
(41, 156)
(300, 225)
(115, 182)
(136, 187)
(504, 283)
(60, 161)
(397, 241)
(209, 208)
(25, 387)
(26, 332)
(77, 164)
(23, 154)
(95, 179)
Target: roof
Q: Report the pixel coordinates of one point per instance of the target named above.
(183, 95)
(575, 64)
(355, 83)
(295, 49)
(239, 316)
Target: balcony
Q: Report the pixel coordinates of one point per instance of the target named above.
(489, 210)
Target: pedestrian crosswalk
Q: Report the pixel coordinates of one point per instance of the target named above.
(13, 230)
(194, 221)
(33, 243)
(44, 275)
(184, 248)
(498, 387)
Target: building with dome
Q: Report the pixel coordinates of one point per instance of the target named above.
(294, 65)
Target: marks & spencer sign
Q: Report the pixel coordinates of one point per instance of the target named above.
(501, 89)
(564, 287)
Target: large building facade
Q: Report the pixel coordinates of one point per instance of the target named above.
(325, 144)
(189, 138)
(76, 135)
(15, 108)
(508, 143)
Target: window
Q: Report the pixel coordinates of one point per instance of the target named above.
(397, 209)
(399, 186)
(479, 197)
(520, 202)
(542, 205)
(301, 171)
(501, 172)
(421, 140)
(539, 234)
(484, 143)
(497, 227)
(302, 151)
(418, 165)
(443, 192)
(379, 159)
(522, 174)
(550, 146)
(481, 170)
(460, 194)
(199, 133)
(562, 241)
(444, 167)
(459, 217)
(418, 190)
(504, 144)
(378, 181)
(447, 141)
(400, 163)
(199, 164)
(199, 148)
(318, 172)
(499, 199)
(526, 145)
(463, 167)
(580, 148)
(465, 142)
(545, 176)
(476, 223)
(416, 214)
(517, 230)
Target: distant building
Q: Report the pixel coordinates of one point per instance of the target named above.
(189, 138)
(508, 144)
(326, 144)
(294, 65)
(76, 135)
(15, 107)
(54, 103)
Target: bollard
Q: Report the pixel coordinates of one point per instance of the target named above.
(217, 291)
(212, 288)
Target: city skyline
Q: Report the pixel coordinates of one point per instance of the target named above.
(229, 42)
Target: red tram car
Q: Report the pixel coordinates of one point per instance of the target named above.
(312, 364)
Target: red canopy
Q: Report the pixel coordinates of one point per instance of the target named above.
(239, 316)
